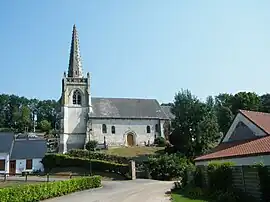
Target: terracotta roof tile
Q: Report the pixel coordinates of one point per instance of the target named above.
(256, 146)
(261, 119)
(239, 148)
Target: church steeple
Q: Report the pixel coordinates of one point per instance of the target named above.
(75, 63)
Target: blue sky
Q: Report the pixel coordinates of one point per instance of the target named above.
(137, 48)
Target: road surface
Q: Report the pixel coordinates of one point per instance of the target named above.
(139, 190)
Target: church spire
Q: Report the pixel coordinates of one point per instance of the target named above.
(75, 64)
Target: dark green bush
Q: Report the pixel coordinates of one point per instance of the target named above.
(60, 160)
(91, 145)
(167, 167)
(264, 182)
(42, 191)
(198, 177)
(160, 142)
(220, 176)
(98, 155)
(231, 195)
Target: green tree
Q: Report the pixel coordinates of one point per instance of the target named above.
(45, 126)
(224, 118)
(195, 127)
(245, 100)
(265, 103)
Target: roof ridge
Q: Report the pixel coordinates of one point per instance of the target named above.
(126, 98)
(252, 111)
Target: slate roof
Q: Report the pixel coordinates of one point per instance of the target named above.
(127, 108)
(250, 147)
(167, 111)
(28, 149)
(6, 139)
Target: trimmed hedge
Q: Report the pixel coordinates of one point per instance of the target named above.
(42, 191)
(61, 160)
(98, 155)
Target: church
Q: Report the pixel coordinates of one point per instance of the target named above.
(117, 121)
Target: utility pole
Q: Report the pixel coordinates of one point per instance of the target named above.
(89, 138)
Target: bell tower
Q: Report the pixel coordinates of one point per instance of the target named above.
(75, 100)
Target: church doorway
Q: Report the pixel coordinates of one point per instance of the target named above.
(130, 139)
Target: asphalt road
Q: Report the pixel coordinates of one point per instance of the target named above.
(139, 190)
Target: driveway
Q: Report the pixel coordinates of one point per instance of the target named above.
(139, 190)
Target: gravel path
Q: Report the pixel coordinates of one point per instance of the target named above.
(122, 191)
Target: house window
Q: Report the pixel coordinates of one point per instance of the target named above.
(148, 130)
(77, 98)
(104, 128)
(113, 129)
(2, 165)
(29, 164)
(157, 128)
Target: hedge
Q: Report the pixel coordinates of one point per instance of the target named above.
(61, 160)
(42, 191)
(220, 176)
(99, 156)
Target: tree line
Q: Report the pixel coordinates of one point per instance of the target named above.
(18, 113)
(199, 126)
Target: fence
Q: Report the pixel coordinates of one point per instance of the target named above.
(31, 177)
(245, 178)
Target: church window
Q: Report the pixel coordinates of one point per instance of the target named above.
(104, 128)
(157, 128)
(113, 129)
(77, 98)
(148, 130)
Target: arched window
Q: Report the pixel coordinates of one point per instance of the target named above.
(157, 128)
(104, 128)
(113, 129)
(148, 130)
(77, 98)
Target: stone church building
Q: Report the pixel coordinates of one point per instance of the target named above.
(118, 121)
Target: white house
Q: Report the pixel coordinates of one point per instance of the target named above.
(6, 145)
(17, 155)
(119, 121)
(27, 155)
(247, 141)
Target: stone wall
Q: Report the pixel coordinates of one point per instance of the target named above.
(122, 128)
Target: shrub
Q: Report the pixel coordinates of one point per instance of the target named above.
(198, 177)
(167, 167)
(99, 156)
(60, 160)
(42, 191)
(264, 182)
(194, 192)
(160, 142)
(231, 195)
(220, 176)
(91, 145)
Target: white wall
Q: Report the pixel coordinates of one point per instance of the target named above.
(265, 159)
(36, 165)
(5, 156)
(75, 119)
(239, 117)
(122, 128)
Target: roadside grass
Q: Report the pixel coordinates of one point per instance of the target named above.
(13, 183)
(178, 196)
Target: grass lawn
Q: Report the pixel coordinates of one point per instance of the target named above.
(180, 198)
(133, 151)
(15, 183)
